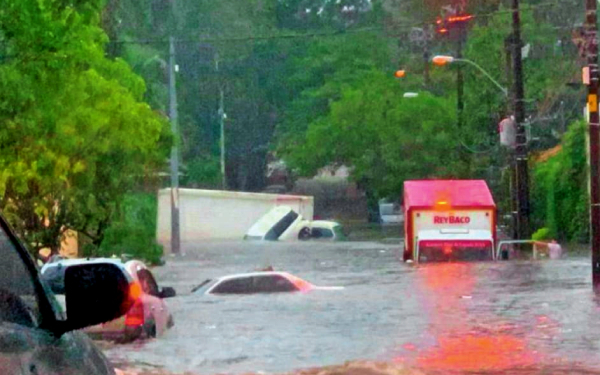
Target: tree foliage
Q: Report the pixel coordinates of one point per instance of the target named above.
(560, 188)
(313, 98)
(385, 138)
(75, 133)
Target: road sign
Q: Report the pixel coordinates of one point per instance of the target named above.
(592, 103)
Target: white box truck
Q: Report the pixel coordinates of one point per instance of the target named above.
(448, 220)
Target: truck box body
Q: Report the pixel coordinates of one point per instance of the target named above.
(207, 215)
(448, 218)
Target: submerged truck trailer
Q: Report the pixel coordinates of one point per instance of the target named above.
(448, 220)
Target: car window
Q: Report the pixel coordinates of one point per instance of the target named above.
(283, 224)
(54, 276)
(322, 233)
(387, 209)
(149, 285)
(255, 284)
(18, 299)
(242, 285)
(272, 284)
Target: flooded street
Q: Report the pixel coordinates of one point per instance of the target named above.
(504, 317)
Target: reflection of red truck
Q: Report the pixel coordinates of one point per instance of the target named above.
(448, 219)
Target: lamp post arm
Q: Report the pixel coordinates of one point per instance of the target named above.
(503, 89)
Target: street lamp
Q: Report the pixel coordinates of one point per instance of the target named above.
(441, 60)
(520, 171)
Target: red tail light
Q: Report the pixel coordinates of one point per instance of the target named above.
(135, 315)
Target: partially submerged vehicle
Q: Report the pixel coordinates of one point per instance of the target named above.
(284, 224)
(37, 336)
(149, 315)
(449, 220)
(258, 282)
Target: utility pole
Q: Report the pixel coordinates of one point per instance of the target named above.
(591, 37)
(460, 88)
(426, 55)
(514, 209)
(221, 114)
(175, 233)
(522, 162)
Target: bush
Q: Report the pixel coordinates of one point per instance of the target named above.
(134, 231)
(542, 234)
(203, 173)
(560, 189)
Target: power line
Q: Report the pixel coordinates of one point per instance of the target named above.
(250, 38)
(396, 31)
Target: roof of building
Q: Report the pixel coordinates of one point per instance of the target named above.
(547, 154)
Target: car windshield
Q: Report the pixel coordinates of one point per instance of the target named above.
(431, 168)
(19, 301)
(388, 209)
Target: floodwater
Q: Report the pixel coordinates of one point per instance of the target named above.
(521, 317)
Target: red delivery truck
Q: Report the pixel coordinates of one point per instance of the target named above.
(448, 220)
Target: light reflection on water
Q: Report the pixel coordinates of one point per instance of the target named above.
(505, 317)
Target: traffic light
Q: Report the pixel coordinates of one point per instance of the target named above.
(455, 22)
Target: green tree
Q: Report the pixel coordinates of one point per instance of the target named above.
(75, 134)
(384, 137)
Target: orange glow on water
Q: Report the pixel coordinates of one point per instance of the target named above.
(461, 345)
(473, 353)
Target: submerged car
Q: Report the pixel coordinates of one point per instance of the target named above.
(37, 336)
(284, 224)
(258, 282)
(149, 315)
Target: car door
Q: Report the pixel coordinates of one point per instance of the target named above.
(157, 305)
(27, 310)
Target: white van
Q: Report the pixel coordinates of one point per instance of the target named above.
(390, 213)
(284, 224)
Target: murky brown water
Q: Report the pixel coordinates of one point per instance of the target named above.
(526, 317)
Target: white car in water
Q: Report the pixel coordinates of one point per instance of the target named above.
(284, 224)
(258, 282)
(148, 316)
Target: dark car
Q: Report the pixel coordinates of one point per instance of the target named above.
(35, 335)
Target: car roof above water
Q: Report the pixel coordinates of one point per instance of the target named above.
(209, 284)
(76, 261)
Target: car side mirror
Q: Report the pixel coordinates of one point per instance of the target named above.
(95, 293)
(167, 292)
